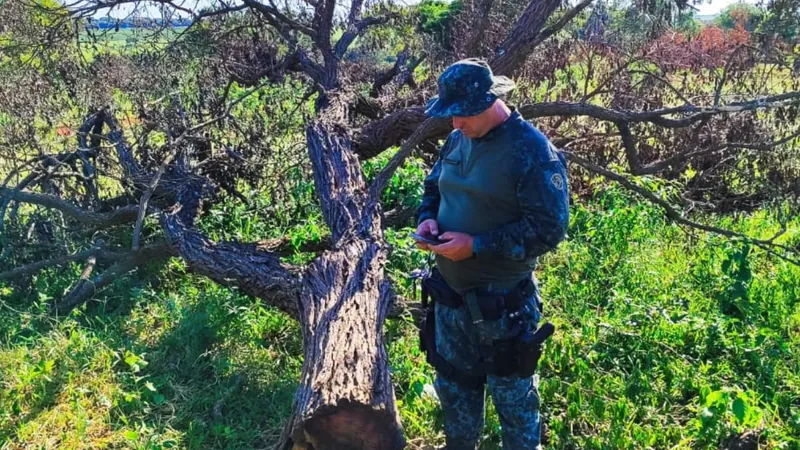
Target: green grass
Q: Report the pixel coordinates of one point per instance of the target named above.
(664, 340)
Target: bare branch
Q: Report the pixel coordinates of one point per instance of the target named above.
(385, 77)
(323, 23)
(391, 130)
(685, 156)
(398, 216)
(428, 128)
(32, 268)
(676, 216)
(355, 11)
(629, 143)
(116, 217)
(721, 81)
(522, 39)
(277, 19)
(87, 288)
(561, 22)
(657, 116)
(137, 229)
(254, 272)
(356, 30)
(82, 281)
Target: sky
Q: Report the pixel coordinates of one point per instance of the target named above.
(706, 8)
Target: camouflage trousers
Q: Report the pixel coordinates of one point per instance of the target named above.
(516, 399)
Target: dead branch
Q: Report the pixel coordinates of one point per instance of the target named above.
(116, 217)
(254, 272)
(86, 288)
(674, 215)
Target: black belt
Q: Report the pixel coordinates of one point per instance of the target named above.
(492, 305)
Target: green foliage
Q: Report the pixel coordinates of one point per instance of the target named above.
(742, 15)
(663, 340)
(436, 19)
(782, 19)
(688, 24)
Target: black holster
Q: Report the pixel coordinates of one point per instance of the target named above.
(529, 349)
(427, 340)
(517, 355)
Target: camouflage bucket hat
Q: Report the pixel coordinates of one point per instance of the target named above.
(467, 88)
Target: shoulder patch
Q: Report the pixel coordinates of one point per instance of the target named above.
(557, 180)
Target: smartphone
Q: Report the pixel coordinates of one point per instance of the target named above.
(427, 240)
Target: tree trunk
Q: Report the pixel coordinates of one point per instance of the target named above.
(345, 400)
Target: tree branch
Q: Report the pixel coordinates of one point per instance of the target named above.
(385, 77)
(86, 288)
(676, 216)
(279, 20)
(561, 22)
(323, 23)
(32, 268)
(378, 135)
(629, 143)
(116, 217)
(355, 11)
(521, 41)
(337, 178)
(428, 128)
(688, 154)
(356, 29)
(254, 272)
(657, 116)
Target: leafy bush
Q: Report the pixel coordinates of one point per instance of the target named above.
(740, 15)
(436, 18)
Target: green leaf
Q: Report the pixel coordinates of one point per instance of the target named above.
(714, 397)
(131, 435)
(150, 386)
(740, 409)
(131, 359)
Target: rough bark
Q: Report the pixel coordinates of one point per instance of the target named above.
(381, 134)
(522, 39)
(345, 399)
(253, 271)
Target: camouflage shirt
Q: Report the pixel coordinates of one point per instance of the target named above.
(508, 189)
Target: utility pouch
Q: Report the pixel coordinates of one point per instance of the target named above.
(434, 287)
(529, 349)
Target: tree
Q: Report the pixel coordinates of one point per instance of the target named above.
(742, 15)
(436, 18)
(688, 24)
(625, 112)
(782, 19)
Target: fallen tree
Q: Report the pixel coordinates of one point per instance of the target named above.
(345, 398)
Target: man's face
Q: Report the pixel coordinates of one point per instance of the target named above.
(469, 126)
(473, 127)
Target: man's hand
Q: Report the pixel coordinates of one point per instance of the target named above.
(458, 246)
(427, 227)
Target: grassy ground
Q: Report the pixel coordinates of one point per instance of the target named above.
(664, 340)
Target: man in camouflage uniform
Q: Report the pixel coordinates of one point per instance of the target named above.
(497, 198)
